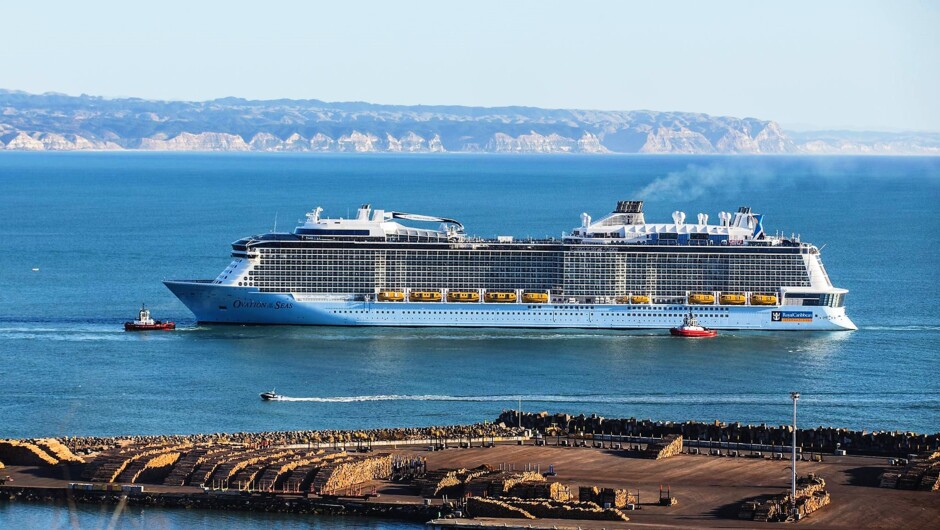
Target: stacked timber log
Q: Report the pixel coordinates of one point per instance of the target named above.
(669, 445)
(554, 491)
(482, 507)
(616, 498)
(922, 473)
(153, 469)
(227, 471)
(889, 479)
(333, 478)
(187, 464)
(811, 495)
(448, 482)
(21, 453)
(500, 483)
(57, 450)
(108, 466)
(273, 476)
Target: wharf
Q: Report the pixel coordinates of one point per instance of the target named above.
(710, 489)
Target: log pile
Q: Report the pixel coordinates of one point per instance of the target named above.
(227, 471)
(110, 464)
(499, 483)
(669, 445)
(303, 476)
(187, 465)
(57, 450)
(156, 469)
(811, 495)
(480, 507)
(616, 498)
(922, 473)
(555, 491)
(333, 478)
(441, 482)
(273, 477)
(889, 479)
(18, 453)
(811, 503)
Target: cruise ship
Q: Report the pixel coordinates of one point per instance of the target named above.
(388, 268)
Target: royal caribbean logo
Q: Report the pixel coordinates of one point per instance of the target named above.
(791, 316)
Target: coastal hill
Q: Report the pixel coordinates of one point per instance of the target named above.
(58, 122)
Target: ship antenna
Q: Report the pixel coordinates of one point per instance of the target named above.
(275, 221)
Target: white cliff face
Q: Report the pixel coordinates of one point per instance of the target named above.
(24, 142)
(681, 140)
(197, 142)
(538, 143)
(357, 142)
(321, 142)
(264, 142)
(435, 145)
(590, 143)
(295, 142)
(392, 144)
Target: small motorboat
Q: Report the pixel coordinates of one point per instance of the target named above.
(145, 323)
(271, 396)
(690, 328)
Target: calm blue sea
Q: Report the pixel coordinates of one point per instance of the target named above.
(105, 228)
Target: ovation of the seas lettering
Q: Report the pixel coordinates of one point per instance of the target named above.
(791, 316)
(252, 304)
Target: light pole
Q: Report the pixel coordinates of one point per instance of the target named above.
(794, 396)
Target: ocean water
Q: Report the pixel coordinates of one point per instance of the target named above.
(103, 230)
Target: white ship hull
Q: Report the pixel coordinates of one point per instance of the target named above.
(214, 303)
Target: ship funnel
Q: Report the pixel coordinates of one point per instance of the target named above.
(675, 216)
(585, 220)
(703, 218)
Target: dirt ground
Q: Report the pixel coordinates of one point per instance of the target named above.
(709, 489)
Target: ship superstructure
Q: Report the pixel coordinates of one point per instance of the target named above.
(616, 272)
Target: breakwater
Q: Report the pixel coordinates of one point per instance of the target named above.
(313, 438)
(818, 439)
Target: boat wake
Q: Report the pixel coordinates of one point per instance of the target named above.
(832, 399)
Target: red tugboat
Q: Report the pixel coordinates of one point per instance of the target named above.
(145, 323)
(691, 329)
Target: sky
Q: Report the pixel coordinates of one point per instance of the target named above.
(857, 65)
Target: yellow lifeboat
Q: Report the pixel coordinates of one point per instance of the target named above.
(763, 299)
(501, 296)
(535, 298)
(391, 296)
(623, 299)
(640, 299)
(463, 296)
(701, 298)
(732, 299)
(425, 296)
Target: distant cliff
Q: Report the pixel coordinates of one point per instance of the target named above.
(59, 122)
